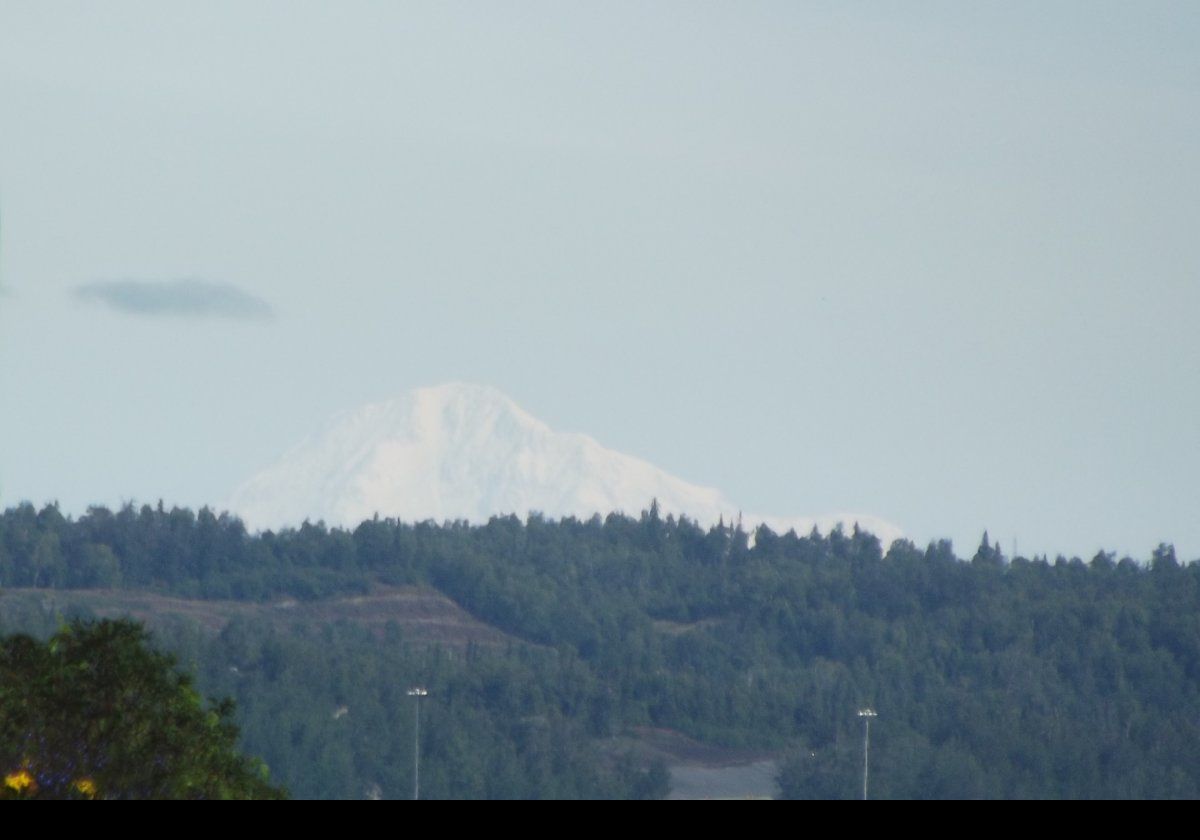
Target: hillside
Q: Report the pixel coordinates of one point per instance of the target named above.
(547, 646)
(419, 614)
(414, 616)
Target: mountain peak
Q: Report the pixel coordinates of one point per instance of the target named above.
(466, 451)
(463, 396)
(452, 451)
(464, 402)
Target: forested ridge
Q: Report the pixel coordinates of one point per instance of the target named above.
(992, 676)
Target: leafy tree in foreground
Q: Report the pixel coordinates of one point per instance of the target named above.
(95, 713)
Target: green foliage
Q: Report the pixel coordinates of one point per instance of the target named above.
(328, 708)
(997, 677)
(96, 713)
(828, 774)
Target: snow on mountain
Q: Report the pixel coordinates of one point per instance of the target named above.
(461, 451)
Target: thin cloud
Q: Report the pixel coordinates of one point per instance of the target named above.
(188, 298)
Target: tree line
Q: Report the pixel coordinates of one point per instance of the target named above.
(993, 676)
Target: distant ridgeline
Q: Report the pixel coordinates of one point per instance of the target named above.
(992, 677)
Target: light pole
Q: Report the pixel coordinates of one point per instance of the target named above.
(866, 715)
(416, 693)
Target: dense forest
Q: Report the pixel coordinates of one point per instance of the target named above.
(992, 676)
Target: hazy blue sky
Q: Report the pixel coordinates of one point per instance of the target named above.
(939, 262)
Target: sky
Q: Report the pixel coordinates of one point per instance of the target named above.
(937, 262)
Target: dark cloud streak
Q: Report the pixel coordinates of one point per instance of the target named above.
(188, 298)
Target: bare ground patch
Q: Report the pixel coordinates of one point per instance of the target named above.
(421, 615)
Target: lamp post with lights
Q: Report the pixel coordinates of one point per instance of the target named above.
(416, 693)
(866, 715)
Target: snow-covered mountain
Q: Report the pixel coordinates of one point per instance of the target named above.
(461, 451)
